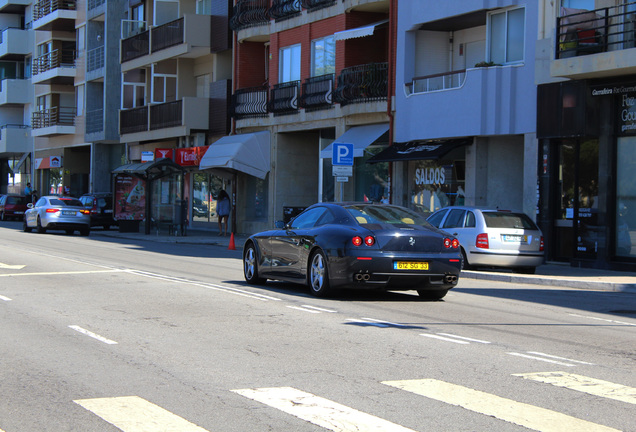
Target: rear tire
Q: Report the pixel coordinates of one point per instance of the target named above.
(319, 275)
(40, 228)
(250, 266)
(432, 294)
(465, 264)
(3, 217)
(25, 227)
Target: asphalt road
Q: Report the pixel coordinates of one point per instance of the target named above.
(107, 334)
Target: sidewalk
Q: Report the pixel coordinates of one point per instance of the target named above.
(550, 274)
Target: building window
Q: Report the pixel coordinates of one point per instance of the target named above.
(164, 82)
(289, 64)
(506, 36)
(204, 7)
(79, 99)
(578, 4)
(133, 89)
(203, 86)
(323, 56)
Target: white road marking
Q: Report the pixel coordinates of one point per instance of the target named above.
(319, 411)
(584, 384)
(11, 267)
(3, 298)
(445, 339)
(464, 338)
(304, 309)
(319, 309)
(541, 359)
(134, 414)
(603, 319)
(560, 358)
(388, 323)
(61, 273)
(529, 416)
(364, 321)
(93, 335)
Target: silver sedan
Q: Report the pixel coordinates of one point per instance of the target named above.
(57, 213)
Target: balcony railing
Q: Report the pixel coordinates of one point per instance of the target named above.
(284, 98)
(45, 7)
(364, 83)
(600, 30)
(167, 35)
(436, 82)
(249, 102)
(56, 116)
(52, 60)
(95, 121)
(249, 13)
(11, 126)
(133, 120)
(135, 46)
(285, 9)
(312, 5)
(95, 59)
(317, 92)
(93, 4)
(165, 115)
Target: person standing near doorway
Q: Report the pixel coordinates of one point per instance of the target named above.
(223, 211)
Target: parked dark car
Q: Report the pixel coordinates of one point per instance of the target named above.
(13, 206)
(356, 245)
(101, 206)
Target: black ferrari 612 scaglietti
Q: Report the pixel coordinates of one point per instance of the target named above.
(356, 245)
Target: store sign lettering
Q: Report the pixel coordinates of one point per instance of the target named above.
(628, 115)
(427, 176)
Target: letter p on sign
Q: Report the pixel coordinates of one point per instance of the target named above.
(342, 154)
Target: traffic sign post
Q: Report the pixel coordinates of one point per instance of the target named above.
(342, 162)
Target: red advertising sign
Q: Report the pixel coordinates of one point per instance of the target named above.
(190, 156)
(164, 153)
(130, 197)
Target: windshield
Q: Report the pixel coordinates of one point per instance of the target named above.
(509, 220)
(369, 214)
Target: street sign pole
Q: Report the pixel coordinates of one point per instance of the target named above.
(342, 157)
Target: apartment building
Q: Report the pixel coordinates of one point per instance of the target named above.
(587, 131)
(465, 118)
(308, 74)
(16, 97)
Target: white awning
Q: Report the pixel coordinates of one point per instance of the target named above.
(360, 136)
(248, 153)
(358, 32)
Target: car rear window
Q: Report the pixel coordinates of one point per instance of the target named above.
(66, 202)
(17, 200)
(368, 214)
(509, 220)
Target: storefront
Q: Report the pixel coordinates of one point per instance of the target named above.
(587, 210)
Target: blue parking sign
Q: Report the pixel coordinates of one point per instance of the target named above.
(342, 154)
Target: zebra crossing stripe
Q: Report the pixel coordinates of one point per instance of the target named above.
(134, 414)
(584, 384)
(529, 416)
(319, 411)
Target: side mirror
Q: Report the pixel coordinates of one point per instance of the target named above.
(30, 205)
(280, 224)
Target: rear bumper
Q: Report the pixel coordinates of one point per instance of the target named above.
(505, 259)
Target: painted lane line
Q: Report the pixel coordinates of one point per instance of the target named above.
(93, 335)
(529, 416)
(304, 309)
(319, 411)
(3, 298)
(464, 338)
(584, 384)
(367, 322)
(388, 323)
(560, 358)
(540, 359)
(445, 339)
(134, 414)
(320, 309)
(603, 319)
(62, 273)
(11, 267)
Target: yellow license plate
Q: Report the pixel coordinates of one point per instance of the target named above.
(410, 265)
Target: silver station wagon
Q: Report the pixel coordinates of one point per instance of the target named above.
(492, 237)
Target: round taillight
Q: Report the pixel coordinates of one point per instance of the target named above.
(455, 244)
(369, 241)
(357, 241)
(447, 243)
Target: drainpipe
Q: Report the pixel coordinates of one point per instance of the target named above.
(391, 84)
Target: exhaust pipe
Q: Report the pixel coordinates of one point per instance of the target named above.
(451, 279)
(366, 277)
(358, 277)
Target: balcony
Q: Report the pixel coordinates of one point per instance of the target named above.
(15, 138)
(95, 8)
(95, 63)
(56, 67)
(164, 120)
(285, 9)
(317, 92)
(436, 82)
(15, 43)
(314, 5)
(53, 121)
(249, 13)
(15, 92)
(250, 102)
(188, 36)
(14, 6)
(284, 98)
(55, 15)
(361, 84)
(596, 43)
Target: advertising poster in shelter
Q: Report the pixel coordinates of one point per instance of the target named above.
(130, 197)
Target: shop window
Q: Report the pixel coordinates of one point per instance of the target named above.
(625, 237)
(323, 56)
(371, 180)
(289, 64)
(255, 198)
(507, 36)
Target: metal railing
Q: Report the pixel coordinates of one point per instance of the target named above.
(317, 92)
(284, 98)
(95, 121)
(56, 116)
(45, 7)
(285, 9)
(135, 46)
(95, 59)
(437, 82)
(249, 13)
(167, 35)
(165, 115)
(364, 83)
(93, 4)
(312, 5)
(250, 102)
(54, 59)
(133, 120)
(599, 30)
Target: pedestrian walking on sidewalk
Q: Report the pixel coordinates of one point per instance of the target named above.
(223, 211)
